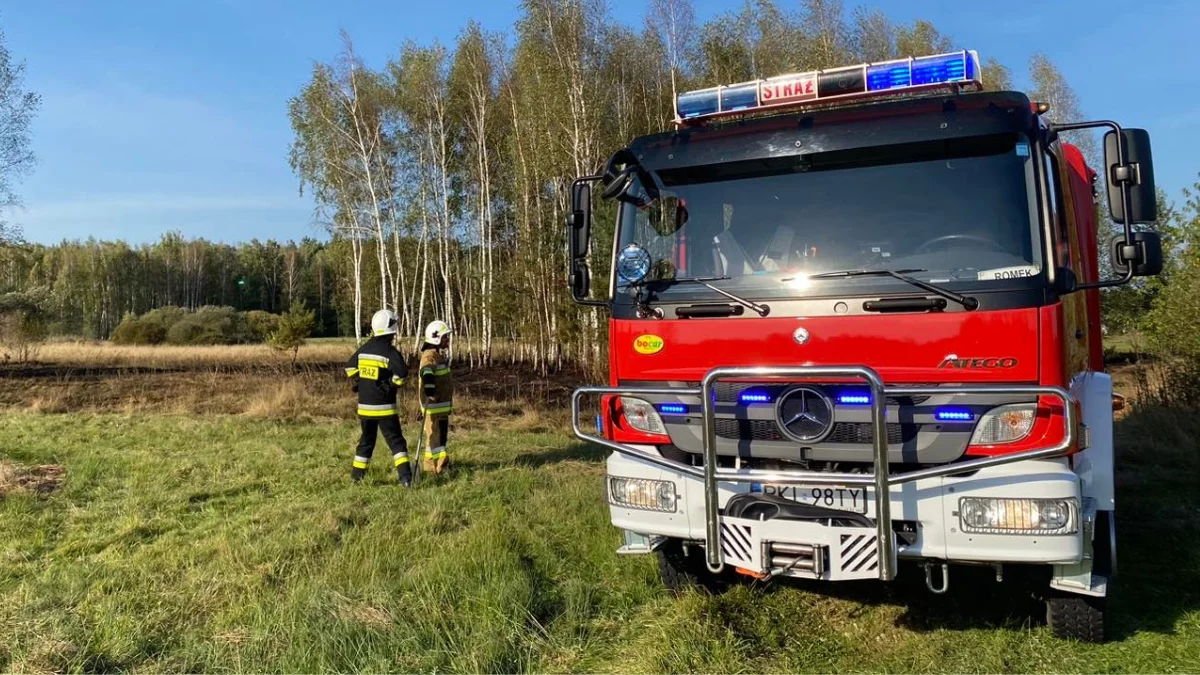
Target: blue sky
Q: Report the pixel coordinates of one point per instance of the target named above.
(172, 115)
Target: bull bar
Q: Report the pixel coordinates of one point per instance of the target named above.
(881, 480)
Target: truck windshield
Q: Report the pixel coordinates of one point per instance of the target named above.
(962, 210)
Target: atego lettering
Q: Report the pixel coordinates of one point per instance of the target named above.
(988, 362)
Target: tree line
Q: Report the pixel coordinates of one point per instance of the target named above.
(442, 176)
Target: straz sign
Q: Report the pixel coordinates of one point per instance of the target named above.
(788, 88)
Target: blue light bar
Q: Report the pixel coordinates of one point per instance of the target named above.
(854, 399)
(748, 397)
(672, 408)
(889, 77)
(954, 415)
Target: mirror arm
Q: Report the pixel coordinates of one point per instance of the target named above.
(1122, 163)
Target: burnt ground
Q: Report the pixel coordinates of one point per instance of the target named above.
(311, 389)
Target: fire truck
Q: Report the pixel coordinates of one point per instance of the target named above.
(855, 328)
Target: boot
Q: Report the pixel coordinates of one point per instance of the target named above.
(404, 476)
(356, 474)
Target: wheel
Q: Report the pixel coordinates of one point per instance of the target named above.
(683, 567)
(1077, 617)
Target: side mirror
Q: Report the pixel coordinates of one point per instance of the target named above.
(1145, 254)
(581, 279)
(579, 222)
(1137, 172)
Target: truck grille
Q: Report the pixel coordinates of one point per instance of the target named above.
(727, 392)
(856, 433)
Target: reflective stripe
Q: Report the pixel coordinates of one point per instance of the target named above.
(427, 370)
(398, 381)
(385, 410)
(372, 360)
(351, 372)
(360, 462)
(434, 453)
(442, 370)
(434, 408)
(399, 459)
(439, 455)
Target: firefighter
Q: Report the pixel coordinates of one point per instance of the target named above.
(377, 370)
(437, 392)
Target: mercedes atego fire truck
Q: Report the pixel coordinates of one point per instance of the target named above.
(855, 322)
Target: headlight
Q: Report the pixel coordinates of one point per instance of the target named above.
(642, 493)
(1005, 424)
(641, 416)
(985, 515)
(633, 264)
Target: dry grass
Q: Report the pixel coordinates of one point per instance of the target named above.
(41, 479)
(107, 354)
(320, 351)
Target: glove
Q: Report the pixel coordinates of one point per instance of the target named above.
(385, 387)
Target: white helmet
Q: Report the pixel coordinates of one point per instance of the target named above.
(383, 323)
(435, 330)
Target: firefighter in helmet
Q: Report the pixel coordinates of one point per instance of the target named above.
(437, 392)
(377, 370)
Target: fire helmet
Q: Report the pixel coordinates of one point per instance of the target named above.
(435, 330)
(383, 323)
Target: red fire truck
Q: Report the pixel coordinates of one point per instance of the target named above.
(855, 322)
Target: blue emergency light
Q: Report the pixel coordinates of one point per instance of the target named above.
(960, 69)
(854, 399)
(954, 415)
(748, 397)
(672, 408)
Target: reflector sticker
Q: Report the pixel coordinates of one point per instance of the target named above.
(1008, 273)
(648, 344)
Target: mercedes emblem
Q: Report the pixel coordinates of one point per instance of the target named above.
(805, 414)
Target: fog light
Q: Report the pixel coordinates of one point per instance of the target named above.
(985, 515)
(641, 493)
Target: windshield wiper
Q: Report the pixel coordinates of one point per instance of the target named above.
(762, 310)
(967, 302)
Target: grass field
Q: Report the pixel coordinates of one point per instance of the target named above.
(138, 539)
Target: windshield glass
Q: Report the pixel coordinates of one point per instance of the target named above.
(961, 210)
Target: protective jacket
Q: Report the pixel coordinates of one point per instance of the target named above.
(378, 370)
(437, 389)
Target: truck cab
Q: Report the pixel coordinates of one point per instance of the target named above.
(854, 320)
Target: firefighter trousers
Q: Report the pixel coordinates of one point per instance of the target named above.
(392, 433)
(437, 427)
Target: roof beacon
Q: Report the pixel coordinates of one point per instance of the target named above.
(956, 69)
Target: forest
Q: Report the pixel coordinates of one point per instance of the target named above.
(442, 175)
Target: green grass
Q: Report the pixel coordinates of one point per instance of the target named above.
(232, 544)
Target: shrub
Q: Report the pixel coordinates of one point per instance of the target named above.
(135, 331)
(262, 324)
(293, 327)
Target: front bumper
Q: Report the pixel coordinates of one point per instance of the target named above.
(930, 505)
(927, 496)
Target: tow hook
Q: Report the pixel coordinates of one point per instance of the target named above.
(945, 579)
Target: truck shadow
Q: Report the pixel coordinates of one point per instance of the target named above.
(1158, 552)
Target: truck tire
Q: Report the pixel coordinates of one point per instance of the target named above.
(1077, 617)
(682, 568)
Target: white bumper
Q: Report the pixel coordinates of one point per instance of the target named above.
(932, 504)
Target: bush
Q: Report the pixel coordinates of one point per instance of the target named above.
(205, 326)
(135, 331)
(262, 324)
(293, 327)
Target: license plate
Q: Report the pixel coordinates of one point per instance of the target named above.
(843, 498)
